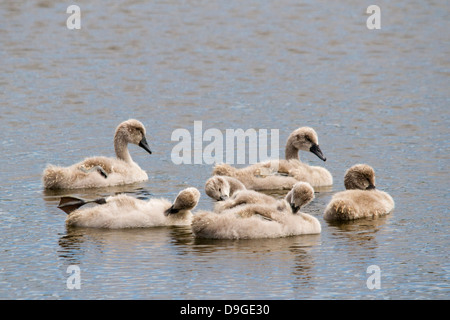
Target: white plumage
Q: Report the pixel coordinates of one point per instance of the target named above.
(123, 211)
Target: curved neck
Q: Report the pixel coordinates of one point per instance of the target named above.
(288, 197)
(121, 148)
(235, 185)
(291, 152)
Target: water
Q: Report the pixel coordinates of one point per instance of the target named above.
(374, 96)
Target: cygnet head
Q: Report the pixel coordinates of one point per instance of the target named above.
(360, 176)
(131, 131)
(304, 138)
(300, 195)
(186, 200)
(218, 188)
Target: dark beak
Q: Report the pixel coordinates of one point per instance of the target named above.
(316, 150)
(223, 198)
(294, 208)
(171, 210)
(144, 145)
(370, 187)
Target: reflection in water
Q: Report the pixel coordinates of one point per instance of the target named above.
(304, 271)
(290, 255)
(360, 235)
(72, 247)
(359, 230)
(78, 239)
(173, 245)
(253, 245)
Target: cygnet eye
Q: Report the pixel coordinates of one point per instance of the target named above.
(220, 190)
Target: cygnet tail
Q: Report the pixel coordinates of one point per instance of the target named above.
(223, 169)
(200, 222)
(339, 210)
(52, 177)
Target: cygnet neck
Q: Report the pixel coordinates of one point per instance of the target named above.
(235, 186)
(121, 147)
(291, 152)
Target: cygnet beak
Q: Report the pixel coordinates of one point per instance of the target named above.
(294, 208)
(144, 145)
(223, 198)
(316, 150)
(370, 187)
(171, 210)
(102, 172)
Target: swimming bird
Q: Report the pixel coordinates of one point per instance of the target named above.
(103, 171)
(123, 211)
(361, 199)
(283, 173)
(260, 220)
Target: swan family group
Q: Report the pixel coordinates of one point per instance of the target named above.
(241, 210)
